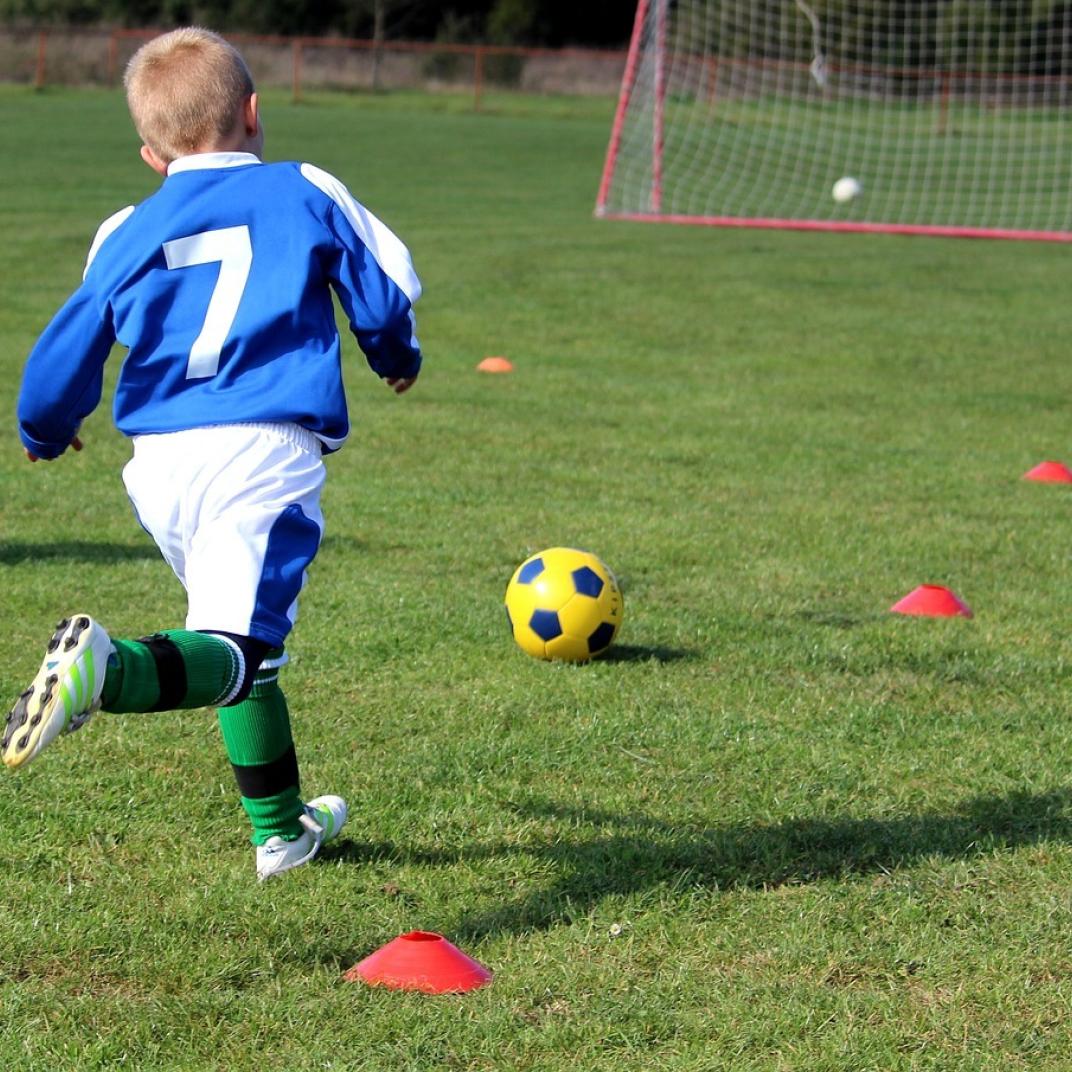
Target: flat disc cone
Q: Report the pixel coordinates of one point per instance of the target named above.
(932, 600)
(1050, 473)
(421, 960)
(496, 364)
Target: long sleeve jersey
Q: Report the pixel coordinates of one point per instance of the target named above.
(220, 286)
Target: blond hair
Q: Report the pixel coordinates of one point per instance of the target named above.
(185, 90)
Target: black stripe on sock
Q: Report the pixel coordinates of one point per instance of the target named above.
(170, 671)
(260, 780)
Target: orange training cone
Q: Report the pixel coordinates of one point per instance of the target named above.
(1050, 473)
(420, 960)
(496, 364)
(932, 600)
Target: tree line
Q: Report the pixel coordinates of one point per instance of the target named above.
(547, 23)
(999, 34)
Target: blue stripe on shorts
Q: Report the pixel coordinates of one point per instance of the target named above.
(292, 545)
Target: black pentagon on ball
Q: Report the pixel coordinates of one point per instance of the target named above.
(545, 624)
(587, 582)
(602, 636)
(530, 571)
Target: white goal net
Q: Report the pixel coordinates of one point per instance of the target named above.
(951, 116)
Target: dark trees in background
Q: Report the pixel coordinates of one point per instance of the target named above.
(549, 23)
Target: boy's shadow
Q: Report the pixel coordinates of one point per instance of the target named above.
(86, 551)
(634, 852)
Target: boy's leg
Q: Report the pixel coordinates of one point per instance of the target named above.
(286, 831)
(181, 669)
(178, 669)
(235, 511)
(174, 670)
(84, 669)
(257, 736)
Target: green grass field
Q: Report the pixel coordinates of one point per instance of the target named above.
(777, 828)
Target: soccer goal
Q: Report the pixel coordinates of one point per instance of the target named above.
(947, 117)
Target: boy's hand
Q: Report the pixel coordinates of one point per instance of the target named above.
(400, 385)
(76, 444)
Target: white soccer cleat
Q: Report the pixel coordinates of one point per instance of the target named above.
(64, 694)
(323, 819)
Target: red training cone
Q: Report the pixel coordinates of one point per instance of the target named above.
(496, 364)
(932, 600)
(1050, 473)
(421, 961)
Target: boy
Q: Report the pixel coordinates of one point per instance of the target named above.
(220, 286)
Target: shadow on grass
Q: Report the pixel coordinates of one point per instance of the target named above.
(342, 543)
(633, 853)
(838, 619)
(642, 653)
(14, 554)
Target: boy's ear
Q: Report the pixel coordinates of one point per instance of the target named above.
(251, 115)
(154, 161)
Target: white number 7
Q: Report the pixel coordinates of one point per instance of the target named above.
(232, 248)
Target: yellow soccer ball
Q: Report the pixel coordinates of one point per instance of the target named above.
(564, 604)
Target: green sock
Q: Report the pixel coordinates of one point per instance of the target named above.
(260, 747)
(169, 671)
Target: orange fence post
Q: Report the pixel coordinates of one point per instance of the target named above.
(478, 76)
(39, 71)
(113, 57)
(296, 53)
(943, 103)
(711, 67)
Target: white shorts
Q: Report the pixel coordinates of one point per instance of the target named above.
(235, 510)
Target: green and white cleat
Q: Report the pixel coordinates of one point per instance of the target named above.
(64, 694)
(322, 821)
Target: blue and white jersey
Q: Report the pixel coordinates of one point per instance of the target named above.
(220, 285)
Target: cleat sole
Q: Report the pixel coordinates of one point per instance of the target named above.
(63, 696)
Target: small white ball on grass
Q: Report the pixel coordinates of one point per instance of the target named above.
(846, 189)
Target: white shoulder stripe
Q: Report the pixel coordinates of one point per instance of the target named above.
(390, 254)
(110, 225)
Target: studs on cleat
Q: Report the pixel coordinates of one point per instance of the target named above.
(16, 719)
(80, 626)
(57, 636)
